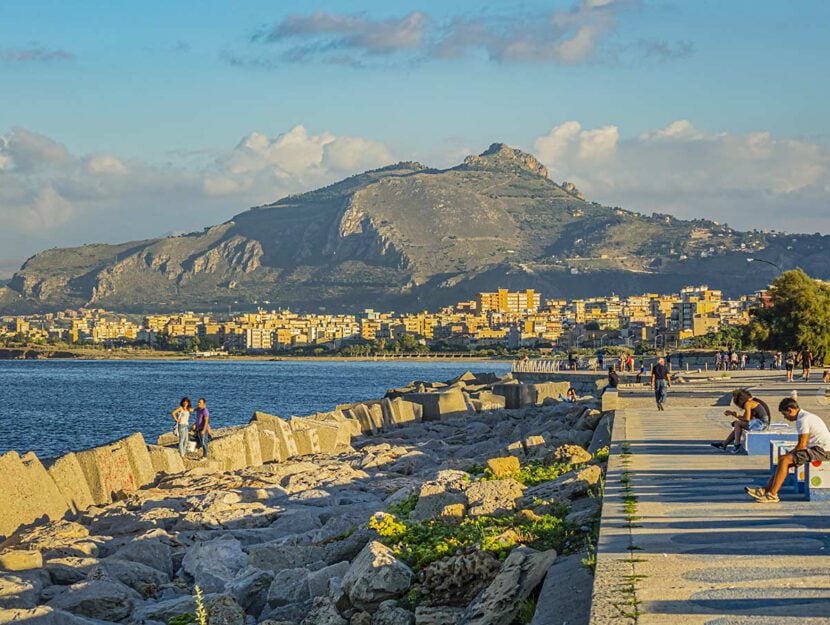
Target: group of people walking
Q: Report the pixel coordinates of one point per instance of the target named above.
(200, 429)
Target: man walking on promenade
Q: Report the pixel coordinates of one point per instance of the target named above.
(660, 382)
(813, 445)
(806, 362)
(202, 427)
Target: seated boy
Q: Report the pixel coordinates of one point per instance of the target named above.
(813, 445)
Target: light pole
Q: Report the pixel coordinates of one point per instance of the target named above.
(752, 259)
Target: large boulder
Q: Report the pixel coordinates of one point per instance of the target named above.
(288, 586)
(102, 599)
(145, 580)
(437, 615)
(324, 612)
(215, 563)
(250, 589)
(522, 571)
(494, 497)
(20, 560)
(153, 552)
(440, 405)
(375, 576)
(20, 590)
(566, 590)
(456, 580)
(568, 486)
(438, 501)
(165, 459)
(223, 610)
(44, 615)
(390, 613)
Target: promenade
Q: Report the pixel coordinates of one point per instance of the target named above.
(681, 543)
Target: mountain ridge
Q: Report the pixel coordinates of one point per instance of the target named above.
(408, 237)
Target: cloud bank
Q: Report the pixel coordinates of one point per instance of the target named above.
(50, 196)
(752, 180)
(575, 35)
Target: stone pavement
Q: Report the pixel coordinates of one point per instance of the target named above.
(680, 542)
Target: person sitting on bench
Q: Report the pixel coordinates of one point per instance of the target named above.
(813, 446)
(754, 418)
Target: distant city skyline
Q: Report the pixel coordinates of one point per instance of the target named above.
(126, 121)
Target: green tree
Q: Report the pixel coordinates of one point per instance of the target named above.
(799, 315)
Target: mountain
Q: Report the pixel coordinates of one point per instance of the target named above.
(408, 237)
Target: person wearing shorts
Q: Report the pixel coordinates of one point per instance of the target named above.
(813, 446)
(789, 364)
(754, 417)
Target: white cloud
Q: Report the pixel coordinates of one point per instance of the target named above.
(49, 196)
(750, 180)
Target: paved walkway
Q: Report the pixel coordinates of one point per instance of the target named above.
(681, 543)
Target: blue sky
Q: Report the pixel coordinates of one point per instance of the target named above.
(169, 92)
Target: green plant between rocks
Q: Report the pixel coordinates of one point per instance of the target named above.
(533, 472)
(421, 543)
(189, 618)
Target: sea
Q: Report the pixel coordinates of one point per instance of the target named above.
(55, 406)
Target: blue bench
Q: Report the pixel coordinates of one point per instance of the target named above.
(796, 476)
(817, 479)
(757, 443)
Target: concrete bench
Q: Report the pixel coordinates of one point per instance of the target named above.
(757, 443)
(796, 476)
(817, 480)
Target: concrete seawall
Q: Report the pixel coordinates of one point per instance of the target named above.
(70, 484)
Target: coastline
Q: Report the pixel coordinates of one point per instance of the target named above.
(40, 353)
(422, 505)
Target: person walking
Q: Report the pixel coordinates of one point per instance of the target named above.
(201, 428)
(789, 365)
(806, 362)
(660, 382)
(181, 415)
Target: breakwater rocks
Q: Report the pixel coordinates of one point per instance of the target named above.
(435, 505)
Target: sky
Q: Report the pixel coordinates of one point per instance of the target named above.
(126, 120)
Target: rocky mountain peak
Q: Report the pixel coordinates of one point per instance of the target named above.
(501, 157)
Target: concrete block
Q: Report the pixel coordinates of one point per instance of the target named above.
(490, 401)
(553, 390)
(345, 427)
(439, 405)
(376, 415)
(307, 442)
(269, 448)
(167, 439)
(205, 466)
(327, 433)
(165, 459)
(253, 449)
(140, 461)
(516, 395)
(610, 399)
(285, 439)
(229, 449)
(27, 492)
(108, 470)
(361, 413)
(67, 474)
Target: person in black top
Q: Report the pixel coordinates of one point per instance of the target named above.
(613, 378)
(660, 382)
(806, 362)
(754, 416)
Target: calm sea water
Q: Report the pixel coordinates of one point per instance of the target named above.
(54, 406)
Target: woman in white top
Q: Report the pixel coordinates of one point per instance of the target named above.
(181, 415)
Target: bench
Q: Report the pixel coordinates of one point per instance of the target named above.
(757, 443)
(796, 476)
(817, 479)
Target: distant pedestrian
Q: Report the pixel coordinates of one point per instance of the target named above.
(630, 362)
(201, 429)
(181, 415)
(680, 361)
(743, 361)
(600, 360)
(789, 365)
(660, 382)
(806, 362)
(762, 361)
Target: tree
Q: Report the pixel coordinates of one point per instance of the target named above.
(799, 315)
